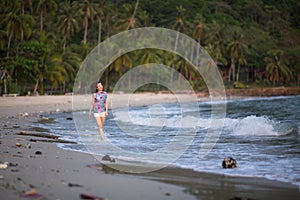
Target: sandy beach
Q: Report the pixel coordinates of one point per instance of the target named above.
(41, 170)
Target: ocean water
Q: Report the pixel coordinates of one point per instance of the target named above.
(261, 134)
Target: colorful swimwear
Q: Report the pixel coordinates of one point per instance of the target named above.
(99, 103)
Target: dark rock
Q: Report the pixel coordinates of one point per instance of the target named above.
(74, 185)
(13, 164)
(91, 197)
(16, 126)
(229, 163)
(108, 158)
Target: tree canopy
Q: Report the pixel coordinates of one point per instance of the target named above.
(43, 42)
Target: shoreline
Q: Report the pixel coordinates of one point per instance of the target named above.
(62, 174)
(45, 171)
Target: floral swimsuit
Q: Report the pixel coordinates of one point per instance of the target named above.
(99, 103)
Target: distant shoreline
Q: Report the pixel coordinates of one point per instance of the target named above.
(18, 105)
(276, 91)
(258, 92)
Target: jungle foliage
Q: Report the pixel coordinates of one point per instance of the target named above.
(43, 42)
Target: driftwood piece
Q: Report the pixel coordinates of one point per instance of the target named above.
(52, 141)
(42, 135)
(49, 138)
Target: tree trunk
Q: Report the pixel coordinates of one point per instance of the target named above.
(175, 49)
(106, 79)
(22, 12)
(99, 32)
(86, 24)
(5, 86)
(36, 86)
(133, 14)
(64, 87)
(64, 45)
(41, 21)
(232, 70)
(8, 44)
(238, 72)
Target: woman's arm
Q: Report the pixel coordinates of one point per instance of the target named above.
(106, 106)
(91, 107)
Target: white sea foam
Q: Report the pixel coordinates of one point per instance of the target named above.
(249, 125)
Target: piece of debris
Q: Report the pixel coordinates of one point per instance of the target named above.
(16, 126)
(95, 166)
(28, 146)
(42, 135)
(18, 144)
(74, 185)
(31, 194)
(4, 165)
(91, 197)
(229, 162)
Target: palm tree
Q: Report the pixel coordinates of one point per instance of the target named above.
(241, 61)
(179, 26)
(87, 11)
(216, 53)
(17, 25)
(123, 61)
(63, 68)
(2, 39)
(67, 23)
(42, 7)
(104, 14)
(277, 68)
(236, 48)
(127, 17)
(100, 14)
(198, 32)
(215, 43)
(146, 56)
(132, 18)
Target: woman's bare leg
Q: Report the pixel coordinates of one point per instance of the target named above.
(100, 127)
(102, 120)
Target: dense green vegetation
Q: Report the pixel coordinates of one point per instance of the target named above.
(43, 42)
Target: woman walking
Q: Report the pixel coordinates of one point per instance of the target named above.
(99, 106)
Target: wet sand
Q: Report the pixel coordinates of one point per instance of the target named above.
(45, 171)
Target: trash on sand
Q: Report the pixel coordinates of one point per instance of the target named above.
(4, 165)
(31, 194)
(74, 185)
(18, 144)
(28, 146)
(91, 197)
